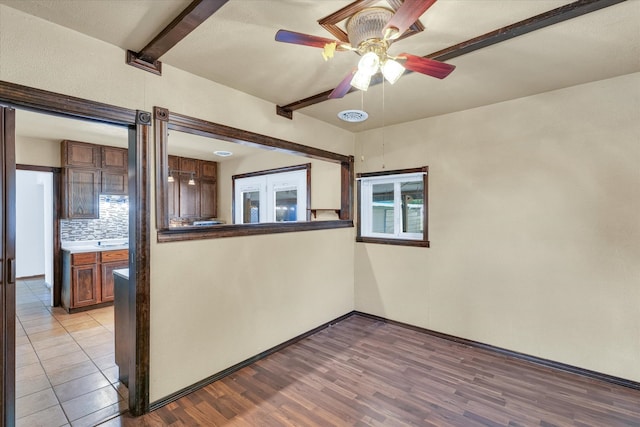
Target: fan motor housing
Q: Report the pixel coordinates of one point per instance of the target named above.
(367, 24)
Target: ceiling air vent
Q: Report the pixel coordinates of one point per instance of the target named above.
(353, 116)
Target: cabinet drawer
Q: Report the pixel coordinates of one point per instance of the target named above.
(120, 255)
(84, 258)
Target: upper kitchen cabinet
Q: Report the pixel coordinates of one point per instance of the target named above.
(80, 154)
(114, 158)
(192, 189)
(115, 177)
(81, 191)
(88, 171)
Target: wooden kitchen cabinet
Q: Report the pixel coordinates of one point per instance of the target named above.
(111, 260)
(172, 187)
(208, 199)
(114, 158)
(80, 154)
(114, 174)
(192, 201)
(87, 278)
(81, 192)
(88, 171)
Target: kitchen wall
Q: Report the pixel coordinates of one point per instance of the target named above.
(534, 226)
(112, 224)
(215, 302)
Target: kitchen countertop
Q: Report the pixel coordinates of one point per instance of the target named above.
(75, 247)
(123, 272)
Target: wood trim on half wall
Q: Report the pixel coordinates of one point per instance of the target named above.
(139, 253)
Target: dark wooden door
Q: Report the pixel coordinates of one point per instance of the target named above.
(114, 158)
(80, 154)
(85, 285)
(82, 192)
(114, 183)
(172, 187)
(7, 265)
(107, 283)
(208, 199)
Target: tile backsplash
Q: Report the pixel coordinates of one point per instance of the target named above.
(113, 222)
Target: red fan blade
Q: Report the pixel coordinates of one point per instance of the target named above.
(406, 15)
(343, 88)
(303, 39)
(427, 66)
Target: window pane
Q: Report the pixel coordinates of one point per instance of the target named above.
(382, 214)
(412, 206)
(286, 202)
(251, 207)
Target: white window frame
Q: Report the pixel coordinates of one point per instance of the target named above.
(366, 205)
(268, 184)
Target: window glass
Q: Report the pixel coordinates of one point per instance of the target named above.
(382, 209)
(412, 206)
(286, 203)
(393, 207)
(278, 195)
(250, 207)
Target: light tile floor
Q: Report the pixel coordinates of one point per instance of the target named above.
(65, 365)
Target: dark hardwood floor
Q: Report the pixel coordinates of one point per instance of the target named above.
(363, 372)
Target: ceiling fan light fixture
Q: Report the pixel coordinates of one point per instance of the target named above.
(369, 63)
(361, 80)
(392, 70)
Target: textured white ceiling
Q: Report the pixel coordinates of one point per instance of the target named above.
(236, 47)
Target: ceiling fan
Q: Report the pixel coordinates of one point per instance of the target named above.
(371, 31)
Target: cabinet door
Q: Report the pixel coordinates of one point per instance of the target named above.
(80, 154)
(189, 196)
(208, 170)
(82, 188)
(208, 199)
(172, 188)
(115, 183)
(114, 158)
(85, 285)
(107, 282)
(190, 165)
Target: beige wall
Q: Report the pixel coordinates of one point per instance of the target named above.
(38, 152)
(534, 227)
(214, 303)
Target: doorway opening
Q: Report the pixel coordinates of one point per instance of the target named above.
(65, 357)
(34, 226)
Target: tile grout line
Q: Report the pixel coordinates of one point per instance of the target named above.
(69, 333)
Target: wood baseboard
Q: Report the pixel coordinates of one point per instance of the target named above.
(517, 355)
(215, 377)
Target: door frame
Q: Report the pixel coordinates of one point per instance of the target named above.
(7, 265)
(138, 122)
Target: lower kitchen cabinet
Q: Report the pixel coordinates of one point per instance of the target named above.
(111, 260)
(87, 278)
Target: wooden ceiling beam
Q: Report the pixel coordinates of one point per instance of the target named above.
(195, 14)
(554, 16)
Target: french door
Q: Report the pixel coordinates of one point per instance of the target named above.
(7, 264)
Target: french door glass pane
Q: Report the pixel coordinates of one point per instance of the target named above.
(411, 195)
(251, 207)
(286, 203)
(382, 214)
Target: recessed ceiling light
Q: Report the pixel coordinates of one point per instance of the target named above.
(353, 116)
(222, 153)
